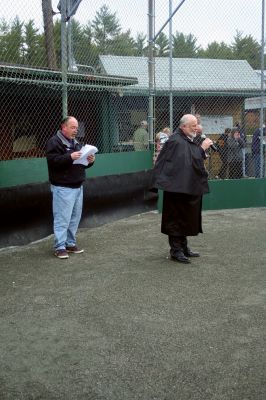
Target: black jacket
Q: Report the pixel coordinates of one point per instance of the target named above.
(180, 167)
(62, 171)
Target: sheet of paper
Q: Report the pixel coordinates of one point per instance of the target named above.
(86, 151)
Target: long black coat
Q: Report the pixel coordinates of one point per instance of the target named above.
(180, 167)
(180, 172)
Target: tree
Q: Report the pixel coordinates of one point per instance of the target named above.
(216, 50)
(12, 41)
(49, 33)
(139, 44)
(105, 28)
(162, 45)
(85, 51)
(246, 48)
(57, 42)
(33, 46)
(4, 29)
(122, 45)
(184, 46)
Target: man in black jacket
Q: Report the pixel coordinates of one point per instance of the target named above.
(66, 178)
(180, 172)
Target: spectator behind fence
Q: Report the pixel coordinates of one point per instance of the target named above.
(255, 149)
(66, 178)
(179, 171)
(222, 147)
(235, 144)
(160, 139)
(244, 138)
(141, 137)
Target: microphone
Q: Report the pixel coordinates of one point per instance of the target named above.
(212, 146)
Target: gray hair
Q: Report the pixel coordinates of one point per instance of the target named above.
(186, 119)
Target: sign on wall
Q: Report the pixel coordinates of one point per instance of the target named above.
(216, 123)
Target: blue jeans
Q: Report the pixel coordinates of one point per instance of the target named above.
(67, 209)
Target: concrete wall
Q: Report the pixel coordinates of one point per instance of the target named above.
(27, 211)
(116, 186)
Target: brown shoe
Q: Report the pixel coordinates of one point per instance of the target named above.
(61, 253)
(74, 250)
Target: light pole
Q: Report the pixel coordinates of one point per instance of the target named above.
(170, 68)
(67, 9)
(63, 7)
(262, 93)
(151, 63)
(151, 71)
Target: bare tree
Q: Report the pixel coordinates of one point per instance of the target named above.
(49, 33)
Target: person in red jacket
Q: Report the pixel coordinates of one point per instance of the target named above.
(180, 172)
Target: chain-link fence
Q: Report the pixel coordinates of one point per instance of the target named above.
(93, 60)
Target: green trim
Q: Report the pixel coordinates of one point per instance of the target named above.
(23, 171)
(121, 163)
(34, 170)
(243, 193)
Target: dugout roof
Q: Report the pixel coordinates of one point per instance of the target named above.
(190, 75)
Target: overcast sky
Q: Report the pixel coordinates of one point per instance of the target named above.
(207, 20)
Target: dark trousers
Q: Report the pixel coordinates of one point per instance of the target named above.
(223, 170)
(235, 169)
(177, 243)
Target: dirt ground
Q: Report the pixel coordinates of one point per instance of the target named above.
(122, 321)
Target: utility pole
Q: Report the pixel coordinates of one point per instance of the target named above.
(262, 93)
(151, 72)
(170, 69)
(64, 58)
(151, 63)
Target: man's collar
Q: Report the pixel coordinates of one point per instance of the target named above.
(187, 137)
(64, 139)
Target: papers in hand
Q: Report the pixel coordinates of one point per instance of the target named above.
(86, 151)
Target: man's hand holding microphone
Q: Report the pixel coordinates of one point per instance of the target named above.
(207, 143)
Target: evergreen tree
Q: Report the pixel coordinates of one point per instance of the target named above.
(247, 48)
(216, 50)
(185, 46)
(122, 45)
(11, 47)
(57, 42)
(162, 45)
(105, 28)
(140, 45)
(85, 51)
(34, 54)
(4, 29)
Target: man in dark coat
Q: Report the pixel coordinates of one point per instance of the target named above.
(180, 172)
(66, 177)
